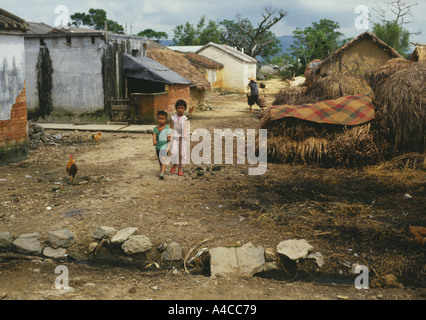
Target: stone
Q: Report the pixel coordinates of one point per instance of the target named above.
(136, 244)
(223, 261)
(270, 255)
(317, 256)
(294, 249)
(251, 259)
(6, 239)
(123, 235)
(54, 253)
(103, 231)
(27, 245)
(60, 238)
(245, 260)
(173, 252)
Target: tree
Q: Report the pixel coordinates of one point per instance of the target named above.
(96, 18)
(195, 35)
(153, 35)
(255, 41)
(392, 32)
(317, 41)
(394, 35)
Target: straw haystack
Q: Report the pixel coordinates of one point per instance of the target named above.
(400, 100)
(392, 66)
(296, 140)
(337, 85)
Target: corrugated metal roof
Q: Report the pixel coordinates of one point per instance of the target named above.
(11, 22)
(148, 69)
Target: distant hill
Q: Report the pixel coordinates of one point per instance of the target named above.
(167, 42)
(286, 41)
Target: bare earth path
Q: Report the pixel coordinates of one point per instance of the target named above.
(117, 185)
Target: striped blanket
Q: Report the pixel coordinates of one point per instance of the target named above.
(348, 110)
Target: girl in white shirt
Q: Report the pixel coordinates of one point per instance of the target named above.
(179, 125)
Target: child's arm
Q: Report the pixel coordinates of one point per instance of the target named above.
(154, 139)
(185, 130)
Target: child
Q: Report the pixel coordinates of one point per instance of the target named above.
(254, 94)
(179, 126)
(161, 137)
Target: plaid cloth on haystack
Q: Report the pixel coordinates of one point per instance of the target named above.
(349, 110)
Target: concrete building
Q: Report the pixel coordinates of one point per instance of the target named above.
(238, 66)
(72, 71)
(13, 109)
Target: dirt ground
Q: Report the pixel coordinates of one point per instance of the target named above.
(349, 215)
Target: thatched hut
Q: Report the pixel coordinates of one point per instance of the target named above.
(359, 56)
(177, 62)
(400, 101)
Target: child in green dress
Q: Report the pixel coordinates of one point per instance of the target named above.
(160, 137)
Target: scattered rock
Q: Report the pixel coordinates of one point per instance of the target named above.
(246, 260)
(317, 256)
(123, 235)
(294, 249)
(6, 239)
(54, 253)
(103, 231)
(173, 252)
(28, 244)
(60, 238)
(136, 244)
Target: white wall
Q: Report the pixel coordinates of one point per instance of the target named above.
(12, 71)
(235, 72)
(77, 73)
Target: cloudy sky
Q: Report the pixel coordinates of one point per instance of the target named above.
(164, 15)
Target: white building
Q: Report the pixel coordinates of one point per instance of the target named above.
(238, 66)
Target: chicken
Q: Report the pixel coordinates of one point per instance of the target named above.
(191, 110)
(96, 137)
(71, 168)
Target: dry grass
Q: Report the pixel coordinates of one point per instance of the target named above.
(400, 101)
(296, 140)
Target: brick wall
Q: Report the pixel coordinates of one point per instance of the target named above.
(13, 132)
(145, 106)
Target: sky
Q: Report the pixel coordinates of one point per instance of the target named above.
(165, 15)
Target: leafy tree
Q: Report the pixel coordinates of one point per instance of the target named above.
(394, 35)
(194, 35)
(255, 41)
(96, 18)
(153, 35)
(392, 31)
(317, 41)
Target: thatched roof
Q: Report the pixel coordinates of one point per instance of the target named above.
(178, 63)
(364, 36)
(419, 53)
(203, 61)
(11, 22)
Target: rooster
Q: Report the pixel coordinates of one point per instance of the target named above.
(96, 137)
(71, 168)
(191, 110)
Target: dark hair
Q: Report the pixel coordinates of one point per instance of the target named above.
(161, 113)
(180, 103)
